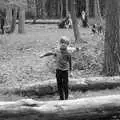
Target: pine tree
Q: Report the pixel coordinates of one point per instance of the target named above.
(111, 44)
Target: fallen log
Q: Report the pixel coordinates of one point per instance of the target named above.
(85, 108)
(82, 84)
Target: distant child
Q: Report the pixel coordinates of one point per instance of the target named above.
(63, 64)
(97, 29)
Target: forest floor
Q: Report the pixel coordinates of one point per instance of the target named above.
(20, 63)
(19, 54)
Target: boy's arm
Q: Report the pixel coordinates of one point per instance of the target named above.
(47, 54)
(70, 62)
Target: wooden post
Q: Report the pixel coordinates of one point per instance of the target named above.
(21, 20)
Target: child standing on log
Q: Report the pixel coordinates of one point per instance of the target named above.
(63, 65)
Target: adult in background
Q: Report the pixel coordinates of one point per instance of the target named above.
(84, 19)
(2, 23)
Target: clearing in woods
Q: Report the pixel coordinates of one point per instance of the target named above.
(19, 55)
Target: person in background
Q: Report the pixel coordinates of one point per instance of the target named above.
(2, 22)
(84, 19)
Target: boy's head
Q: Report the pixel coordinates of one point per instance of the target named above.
(64, 42)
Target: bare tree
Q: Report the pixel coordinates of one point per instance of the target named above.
(35, 11)
(9, 15)
(78, 38)
(66, 7)
(61, 5)
(43, 8)
(21, 20)
(14, 17)
(87, 7)
(98, 16)
(111, 44)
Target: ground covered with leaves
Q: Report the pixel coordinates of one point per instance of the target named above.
(19, 54)
(20, 63)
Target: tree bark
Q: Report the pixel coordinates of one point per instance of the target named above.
(35, 11)
(58, 9)
(43, 8)
(14, 17)
(91, 108)
(87, 7)
(61, 4)
(50, 87)
(9, 16)
(21, 23)
(66, 7)
(98, 16)
(111, 44)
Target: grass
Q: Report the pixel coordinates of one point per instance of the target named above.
(20, 63)
(19, 55)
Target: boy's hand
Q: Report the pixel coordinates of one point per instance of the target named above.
(41, 56)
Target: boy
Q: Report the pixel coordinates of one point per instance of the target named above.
(63, 64)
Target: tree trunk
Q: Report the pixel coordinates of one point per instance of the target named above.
(14, 17)
(50, 86)
(91, 108)
(21, 20)
(78, 39)
(87, 7)
(58, 9)
(66, 7)
(43, 8)
(98, 16)
(111, 44)
(35, 11)
(9, 16)
(61, 4)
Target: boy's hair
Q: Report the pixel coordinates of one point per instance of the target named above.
(64, 39)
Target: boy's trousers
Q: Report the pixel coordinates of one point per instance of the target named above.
(62, 83)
